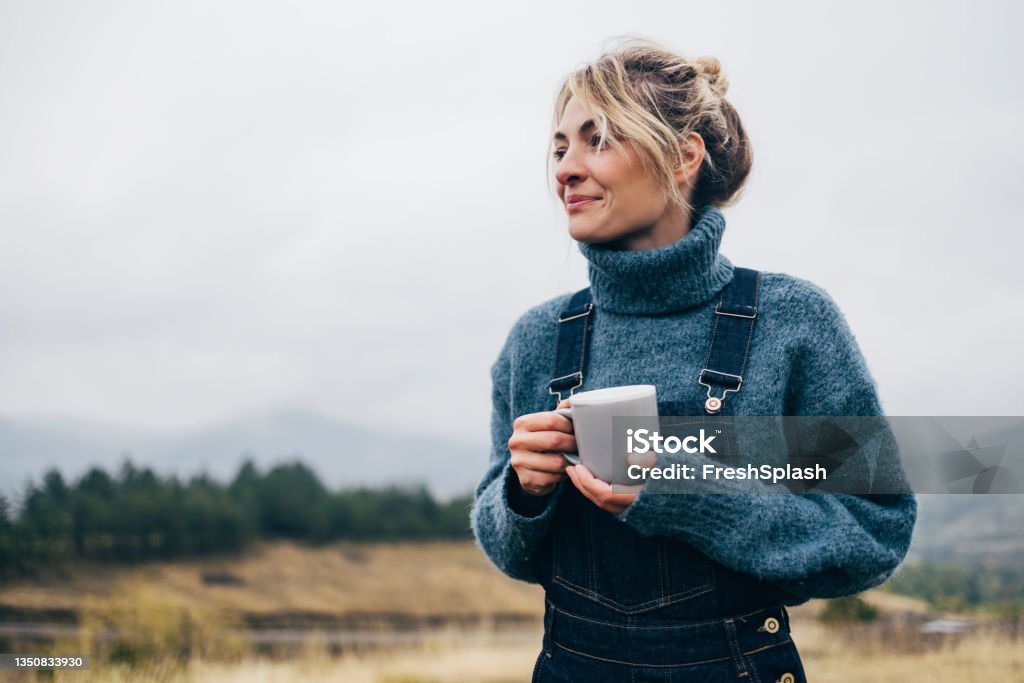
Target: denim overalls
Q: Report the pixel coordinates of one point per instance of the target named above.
(624, 607)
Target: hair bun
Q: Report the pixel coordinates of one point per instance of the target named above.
(712, 68)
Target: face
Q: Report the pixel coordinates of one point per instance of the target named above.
(609, 197)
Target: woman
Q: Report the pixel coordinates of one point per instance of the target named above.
(670, 587)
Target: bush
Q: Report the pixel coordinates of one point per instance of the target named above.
(850, 609)
(144, 625)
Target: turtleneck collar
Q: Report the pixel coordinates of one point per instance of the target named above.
(662, 280)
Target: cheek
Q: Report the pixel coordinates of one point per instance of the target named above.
(634, 199)
(647, 196)
(621, 181)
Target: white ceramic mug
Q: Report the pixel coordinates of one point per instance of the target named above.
(601, 449)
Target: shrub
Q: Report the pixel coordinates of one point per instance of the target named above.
(850, 609)
(145, 625)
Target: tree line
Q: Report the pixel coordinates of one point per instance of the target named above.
(138, 515)
(962, 587)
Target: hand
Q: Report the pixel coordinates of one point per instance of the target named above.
(598, 492)
(536, 446)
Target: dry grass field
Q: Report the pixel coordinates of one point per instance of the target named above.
(438, 578)
(828, 659)
(169, 609)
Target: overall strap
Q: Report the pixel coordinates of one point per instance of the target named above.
(730, 338)
(571, 345)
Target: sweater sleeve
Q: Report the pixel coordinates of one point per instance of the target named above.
(817, 545)
(508, 526)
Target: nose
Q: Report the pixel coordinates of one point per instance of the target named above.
(569, 169)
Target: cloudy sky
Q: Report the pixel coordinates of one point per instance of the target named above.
(214, 208)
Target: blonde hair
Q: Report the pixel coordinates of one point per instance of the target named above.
(644, 94)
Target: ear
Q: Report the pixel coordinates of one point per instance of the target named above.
(691, 156)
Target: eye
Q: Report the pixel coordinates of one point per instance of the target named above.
(558, 154)
(596, 140)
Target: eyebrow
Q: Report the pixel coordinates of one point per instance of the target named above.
(587, 125)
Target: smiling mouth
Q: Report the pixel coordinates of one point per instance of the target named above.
(579, 204)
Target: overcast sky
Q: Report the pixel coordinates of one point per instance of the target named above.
(212, 208)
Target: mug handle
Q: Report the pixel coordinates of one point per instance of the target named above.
(573, 458)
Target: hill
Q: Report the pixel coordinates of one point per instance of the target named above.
(342, 454)
(970, 529)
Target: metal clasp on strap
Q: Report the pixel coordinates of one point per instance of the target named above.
(713, 404)
(586, 311)
(571, 344)
(752, 309)
(578, 376)
(730, 337)
(577, 336)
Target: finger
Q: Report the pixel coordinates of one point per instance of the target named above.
(642, 459)
(547, 421)
(574, 477)
(565, 403)
(614, 508)
(543, 442)
(540, 462)
(602, 491)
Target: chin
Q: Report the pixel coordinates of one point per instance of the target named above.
(592, 236)
(588, 233)
(588, 239)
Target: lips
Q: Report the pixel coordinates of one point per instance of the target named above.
(575, 201)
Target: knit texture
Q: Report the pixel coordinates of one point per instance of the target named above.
(652, 325)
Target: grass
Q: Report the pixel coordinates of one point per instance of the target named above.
(176, 626)
(847, 656)
(433, 663)
(436, 578)
(829, 657)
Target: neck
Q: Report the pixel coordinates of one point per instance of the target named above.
(670, 228)
(666, 278)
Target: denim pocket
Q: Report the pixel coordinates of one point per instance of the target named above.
(720, 428)
(598, 557)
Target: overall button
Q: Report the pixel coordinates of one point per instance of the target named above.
(786, 678)
(771, 624)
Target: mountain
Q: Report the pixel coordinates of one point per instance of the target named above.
(969, 529)
(342, 454)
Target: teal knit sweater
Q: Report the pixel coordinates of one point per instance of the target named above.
(652, 326)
